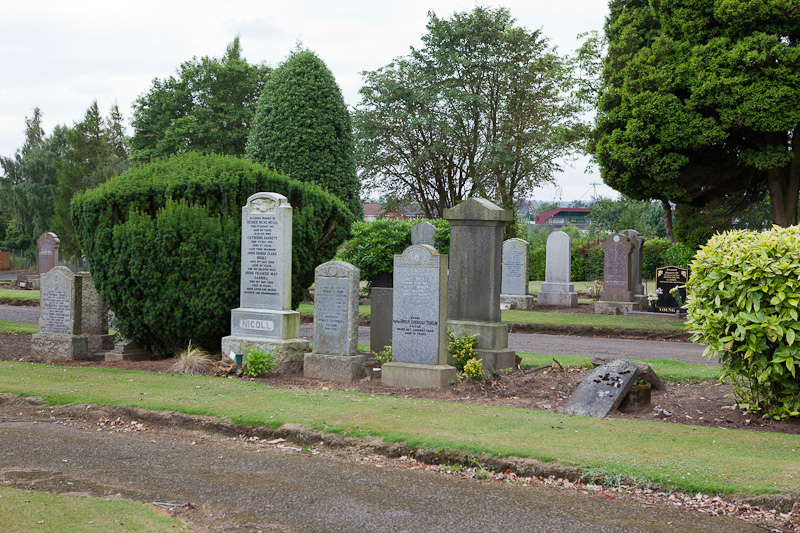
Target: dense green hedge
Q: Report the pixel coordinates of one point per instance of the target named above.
(374, 243)
(743, 297)
(163, 241)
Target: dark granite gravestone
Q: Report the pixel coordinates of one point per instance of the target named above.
(48, 252)
(616, 269)
(476, 247)
(666, 279)
(602, 390)
(419, 321)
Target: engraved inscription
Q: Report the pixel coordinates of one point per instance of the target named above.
(256, 324)
(259, 264)
(330, 305)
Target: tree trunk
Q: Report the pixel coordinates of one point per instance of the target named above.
(668, 220)
(784, 187)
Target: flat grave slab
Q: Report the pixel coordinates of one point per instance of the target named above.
(602, 390)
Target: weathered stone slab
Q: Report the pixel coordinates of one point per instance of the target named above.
(94, 316)
(645, 372)
(336, 308)
(59, 296)
(49, 244)
(128, 350)
(616, 269)
(343, 368)
(602, 390)
(556, 288)
(423, 233)
(380, 324)
(515, 267)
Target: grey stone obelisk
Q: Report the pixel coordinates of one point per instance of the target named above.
(265, 320)
(476, 246)
(419, 321)
(335, 347)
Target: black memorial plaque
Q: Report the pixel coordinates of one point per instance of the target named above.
(668, 278)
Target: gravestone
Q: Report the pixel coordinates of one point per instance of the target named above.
(556, 288)
(264, 320)
(423, 233)
(514, 284)
(637, 257)
(380, 324)
(419, 321)
(94, 316)
(668, 278)
(619, 279)
(602, 390)
(473, 307)
(335, 348)
(48, 251)
(59, 318)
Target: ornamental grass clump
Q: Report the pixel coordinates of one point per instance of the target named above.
(193, 360)
(743, 297)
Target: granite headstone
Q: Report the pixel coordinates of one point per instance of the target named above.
(94, 316)
(48, 251)
(59, 318)
(668, 278)
(556, 288)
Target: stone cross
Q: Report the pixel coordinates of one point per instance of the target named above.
(48, 251)
(423, 233)
(556, 288)
(264, 320)
(419, 321)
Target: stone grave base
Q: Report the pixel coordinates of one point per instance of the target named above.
(492, 342)
(49, 347)
(560, 299)
(523, 302)
(128, 350)
(417, 376)
(496, 360)
(344, 368)
(606, 307)
(287, 354)
(100, 343)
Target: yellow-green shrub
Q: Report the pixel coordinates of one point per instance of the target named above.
(743, 299)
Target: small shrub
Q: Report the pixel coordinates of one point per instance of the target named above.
(593, 262)
(192, 360)
(384, 357)
(537, 257)
(257, 362)
(461, 349)
(473, 370)
(374, 244)
(743, 296)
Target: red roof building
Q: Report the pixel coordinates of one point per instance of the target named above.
(562, 217)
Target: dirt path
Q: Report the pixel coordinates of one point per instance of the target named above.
(221, 483)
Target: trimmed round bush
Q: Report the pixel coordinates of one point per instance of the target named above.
(163, 240)
(743, 297)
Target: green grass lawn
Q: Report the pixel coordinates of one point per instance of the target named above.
(688, 458)
(589, 319)
(25, 511)
(18, 327)
(13, 294)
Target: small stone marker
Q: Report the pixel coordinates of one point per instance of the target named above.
(59, 318)
(128, 350)
(48, 251)
(602, 390)
(419, 321)
(335, 348)
(514, 285)
(556, 288)
(423, 233)
(265, 320)
(668, 278)
(476, 246)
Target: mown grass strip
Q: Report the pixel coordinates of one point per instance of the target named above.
(684, 457)
(592, 320)
(13, 294)
(26, 511)
(666, 369)
(18, 327)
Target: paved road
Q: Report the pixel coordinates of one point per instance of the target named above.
(261, 488)
(520, 342)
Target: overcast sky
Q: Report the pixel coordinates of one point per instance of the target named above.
(60, 56)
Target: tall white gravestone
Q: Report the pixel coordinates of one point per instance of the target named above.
(514, 286)
(335, 348)
(59, 335)
(556, 288)
(265, 320)
(419, 321)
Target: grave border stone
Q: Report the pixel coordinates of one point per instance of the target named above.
(337, 360)
(404, 370)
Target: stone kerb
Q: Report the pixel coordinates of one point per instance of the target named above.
(556, 288)
(59, 318)
(476, 245)
(423, 233)
(335, 348)
(419, 321)
(264, 320)
(514, 285)
(48, 244)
